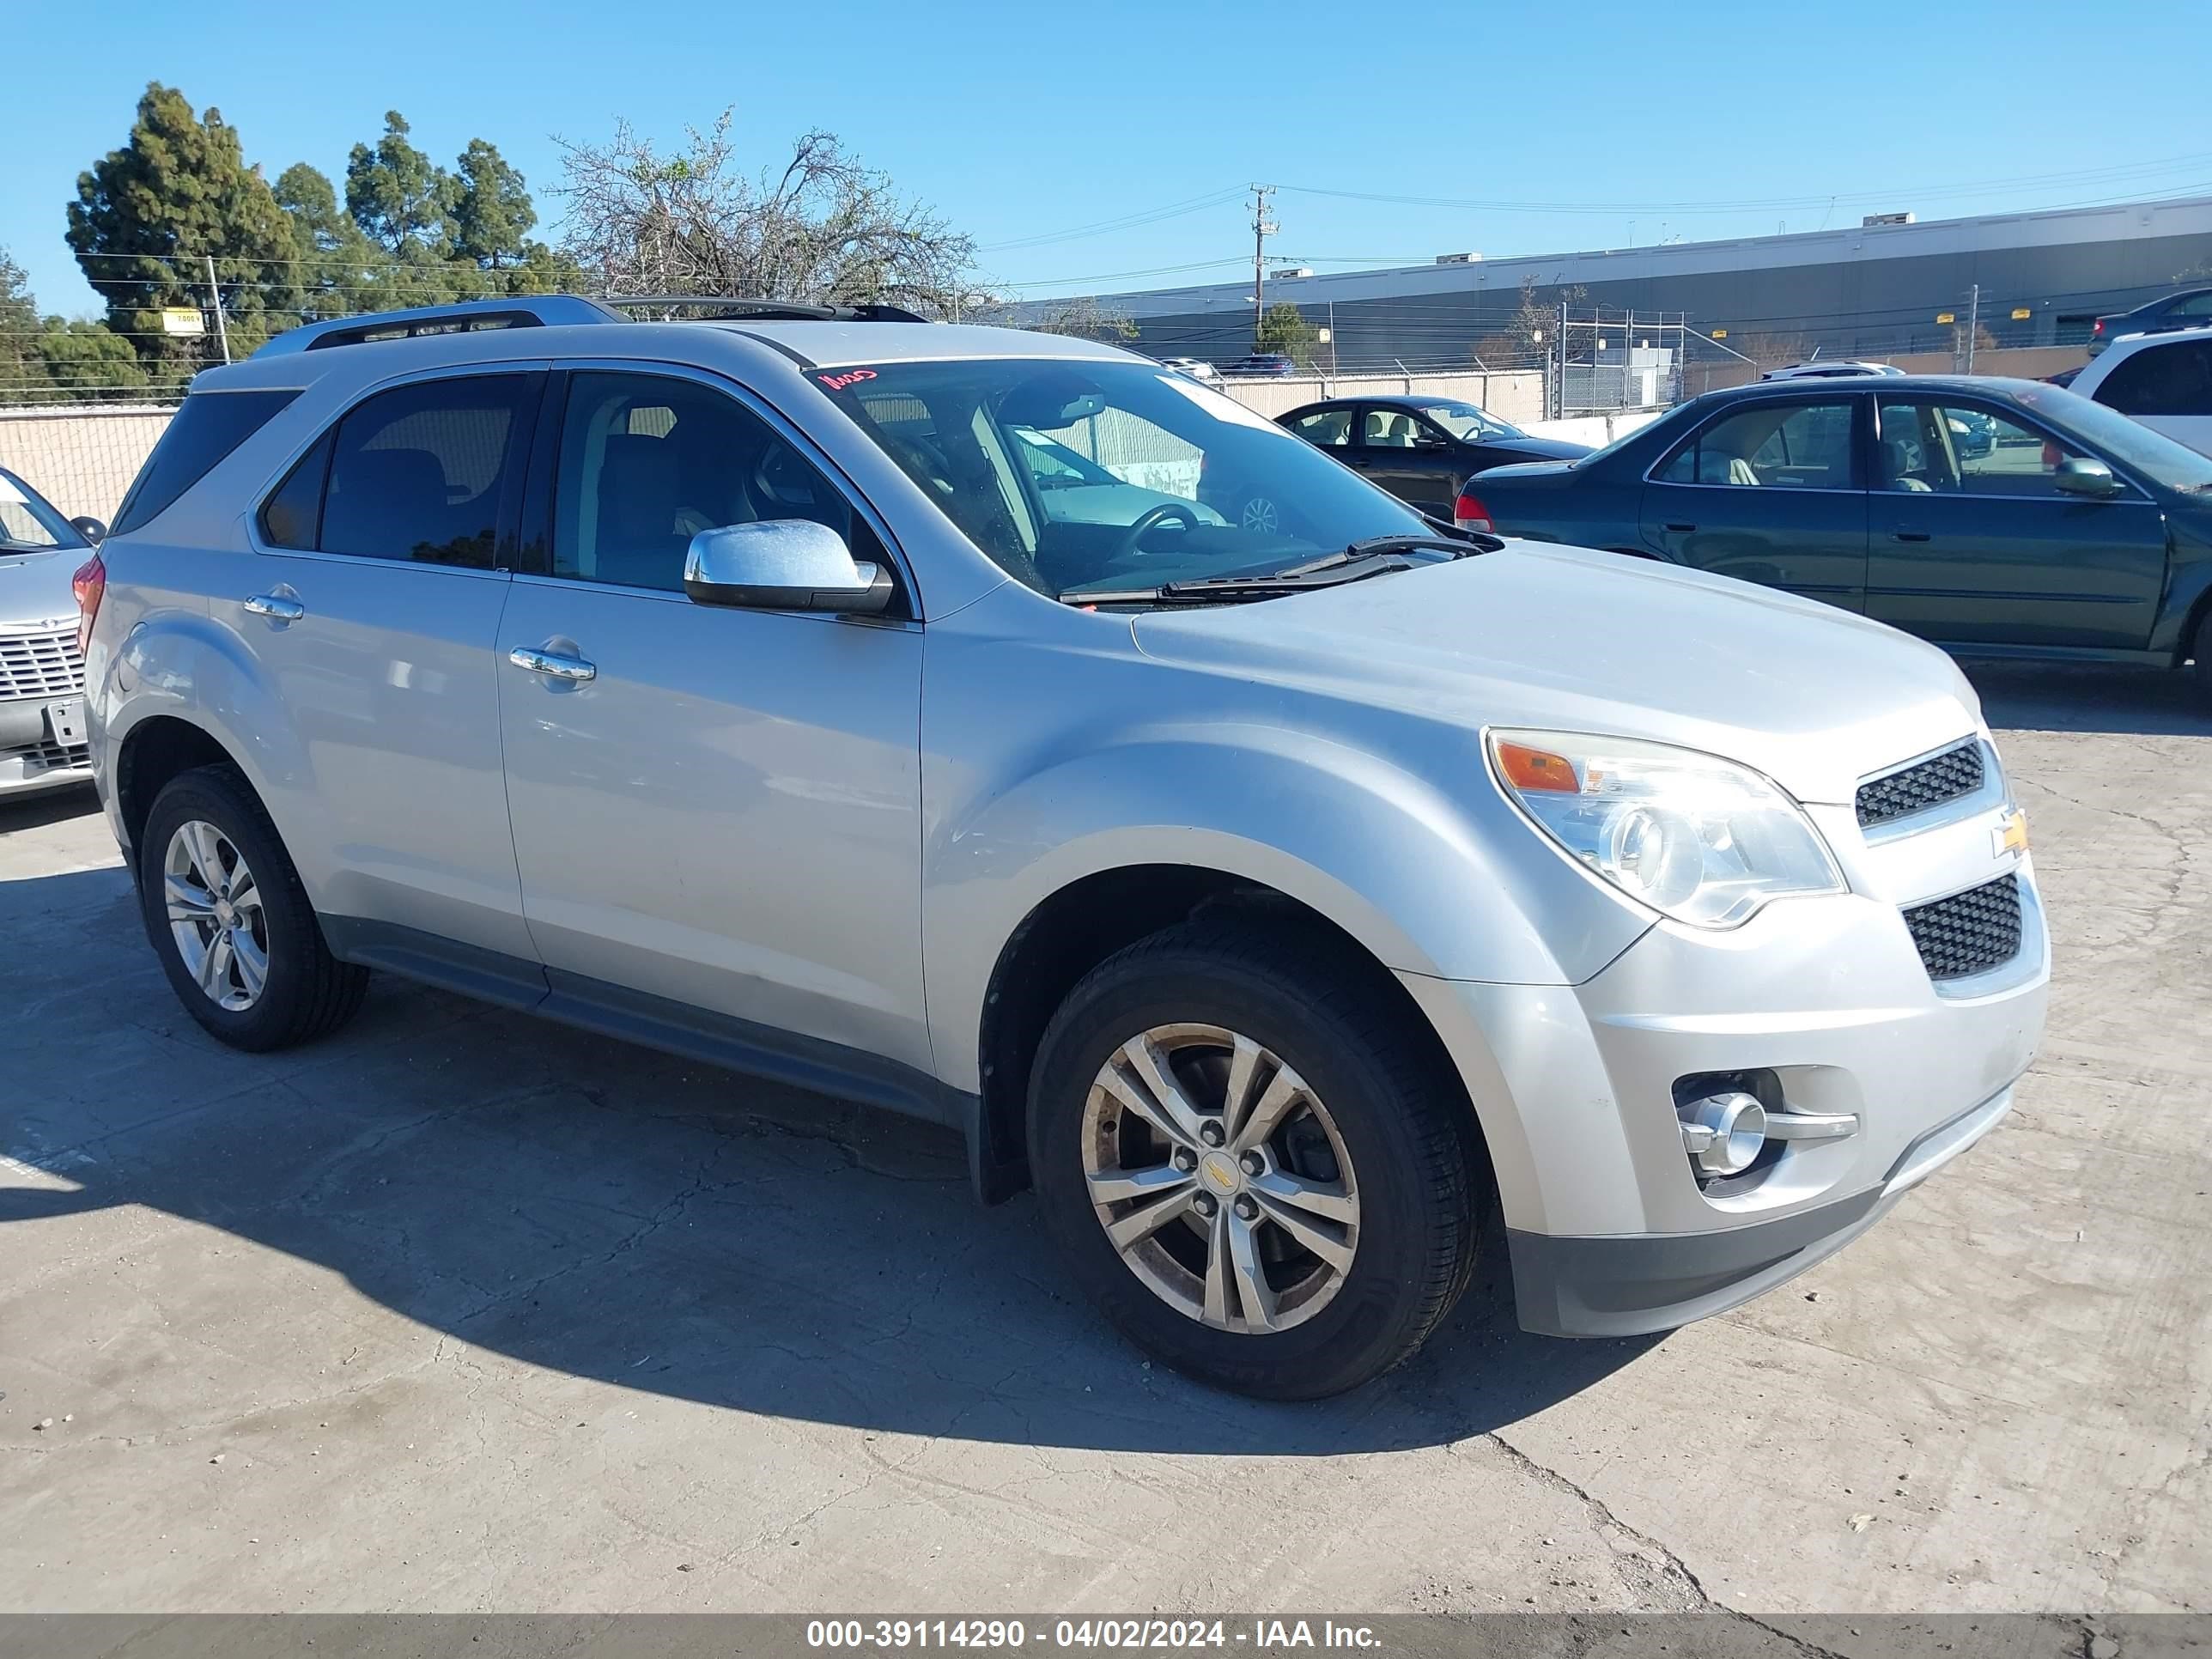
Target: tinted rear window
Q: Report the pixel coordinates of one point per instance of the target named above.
(209, 426)
(421, 471)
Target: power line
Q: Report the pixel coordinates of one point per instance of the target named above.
(1128, 221)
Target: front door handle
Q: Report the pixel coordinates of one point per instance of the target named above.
(1678, 529)
(553, 664)
(276, 607)
(1911, 535)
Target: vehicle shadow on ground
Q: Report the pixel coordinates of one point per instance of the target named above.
(613, 1213)
(2066, 697)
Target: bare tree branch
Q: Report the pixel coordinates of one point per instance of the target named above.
(822, 229)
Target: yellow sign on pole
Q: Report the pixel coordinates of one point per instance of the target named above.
(1720, 334)
(1945, 317)
(2021, 313)
(182, 319)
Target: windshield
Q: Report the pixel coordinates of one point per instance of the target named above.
(1109, 475)
(2126, 440)
(1467, 424)
(29, 525)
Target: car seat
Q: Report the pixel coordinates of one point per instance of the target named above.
(1714, 467)
(1906, 461)
(639, 540)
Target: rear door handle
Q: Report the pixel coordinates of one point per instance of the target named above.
(1678, 529)
(552, 664)
(1911, 535)
(276, 607)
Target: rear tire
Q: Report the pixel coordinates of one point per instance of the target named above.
(1375, 1161)
(226, 915)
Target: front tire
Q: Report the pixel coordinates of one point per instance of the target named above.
(2200, 653)
(1259, 1173)
(228, 916)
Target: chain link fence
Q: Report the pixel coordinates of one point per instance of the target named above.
(80, 456)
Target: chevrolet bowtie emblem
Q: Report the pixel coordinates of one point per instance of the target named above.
(2011, 833)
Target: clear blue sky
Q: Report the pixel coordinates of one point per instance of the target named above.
(1613, 123)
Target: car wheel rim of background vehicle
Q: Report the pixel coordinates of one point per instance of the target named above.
(1260, 515)
(214, 907)
(1220, 1178)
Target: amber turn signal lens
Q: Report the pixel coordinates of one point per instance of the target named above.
(1528, 769)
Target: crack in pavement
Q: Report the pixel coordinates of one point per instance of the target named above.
(1673, 1568)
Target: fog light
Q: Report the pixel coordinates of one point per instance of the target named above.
(1723, 1134)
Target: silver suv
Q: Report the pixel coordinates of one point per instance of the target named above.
(910, 712)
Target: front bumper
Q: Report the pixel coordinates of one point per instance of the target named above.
(1625, 1286)
(1576, 1086)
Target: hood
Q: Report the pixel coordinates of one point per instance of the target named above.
(34, 587)
(1535, 449)
(1577, 641)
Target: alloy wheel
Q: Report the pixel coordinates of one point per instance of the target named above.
(1260, 516)
(214, 907)
(1220, 1178)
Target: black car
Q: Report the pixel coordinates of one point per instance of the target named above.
(1420, 449)
(2189, 308)
(1271, 363)
(1994, 517)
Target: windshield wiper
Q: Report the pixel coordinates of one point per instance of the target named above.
(1330, 573)
(1460, 545)
(1377, 556)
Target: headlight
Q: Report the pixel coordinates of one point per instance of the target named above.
(1696, 837)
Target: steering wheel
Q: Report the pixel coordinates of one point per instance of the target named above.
(1148, 522)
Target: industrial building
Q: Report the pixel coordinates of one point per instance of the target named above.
(1886, 287)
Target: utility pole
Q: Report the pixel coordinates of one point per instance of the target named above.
(214, 299)
(1973, 322)
(1560, 411)
(1263, 228)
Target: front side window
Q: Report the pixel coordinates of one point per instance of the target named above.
(1770, 444)
(1958, 449)
(2161, 380)
(29, 524)
(647, 462)
(420, 472)
(1331, 429)
(1194, 484)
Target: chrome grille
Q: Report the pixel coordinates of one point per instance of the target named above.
(1947, 777)
(1969, 932)
(41, 664)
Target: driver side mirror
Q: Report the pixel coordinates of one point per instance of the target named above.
(90, 528)
(783, 564)
(2079, 475)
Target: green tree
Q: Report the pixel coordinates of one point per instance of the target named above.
(1285, 330)
(339, 267)
(399, 197)
(86, 362)
(147, 215)
(492, 215)
(23, 373)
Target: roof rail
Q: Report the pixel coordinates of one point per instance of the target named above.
(529, 310)
(764, 310)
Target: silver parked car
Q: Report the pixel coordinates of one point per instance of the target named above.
(1271, 899)
(42, 719)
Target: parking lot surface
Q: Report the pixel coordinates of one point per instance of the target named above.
(463, 1311)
